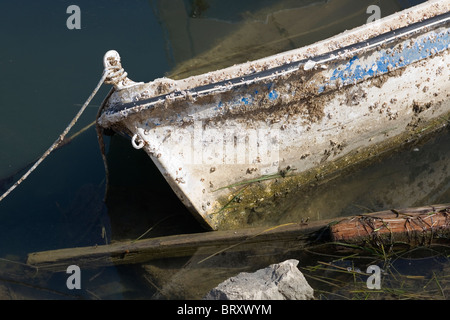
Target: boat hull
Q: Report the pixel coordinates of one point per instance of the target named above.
(228, 144)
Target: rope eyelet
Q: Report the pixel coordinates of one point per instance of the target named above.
(137, 142)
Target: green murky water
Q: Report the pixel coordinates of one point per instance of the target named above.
(47, 73)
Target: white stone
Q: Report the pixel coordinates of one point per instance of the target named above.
(281, 281)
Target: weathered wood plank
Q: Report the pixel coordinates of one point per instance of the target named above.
(373, 226)
(131, 252)
(415, 226)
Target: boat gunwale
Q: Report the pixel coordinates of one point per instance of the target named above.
(285, 69)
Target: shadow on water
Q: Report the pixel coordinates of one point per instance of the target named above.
(140, 199)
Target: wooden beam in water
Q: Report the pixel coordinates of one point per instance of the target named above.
(140, 251)
(418, 226)
(415, 226)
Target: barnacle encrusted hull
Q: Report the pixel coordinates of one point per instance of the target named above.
(229, 140)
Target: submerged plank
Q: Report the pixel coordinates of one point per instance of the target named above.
(424, 223)
(131, 252)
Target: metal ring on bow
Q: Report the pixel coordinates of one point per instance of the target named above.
(137, 142)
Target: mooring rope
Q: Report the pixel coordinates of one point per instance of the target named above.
(101, 141)
(60, 139)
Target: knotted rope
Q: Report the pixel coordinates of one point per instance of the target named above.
(113, 74)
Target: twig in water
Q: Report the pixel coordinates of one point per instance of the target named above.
(238, 244)
(151, 228)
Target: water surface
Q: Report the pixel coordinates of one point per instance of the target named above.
(47, 73)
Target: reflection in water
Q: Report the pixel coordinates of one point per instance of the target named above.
(220, 35)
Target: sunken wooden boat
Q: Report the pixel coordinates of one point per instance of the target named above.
(229, 140)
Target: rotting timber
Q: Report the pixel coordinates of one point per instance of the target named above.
(394, 226)
(413, 227)
(231, 140)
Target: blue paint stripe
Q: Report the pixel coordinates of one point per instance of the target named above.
(356, 70)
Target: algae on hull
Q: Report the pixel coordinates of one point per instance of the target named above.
(258, 202)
